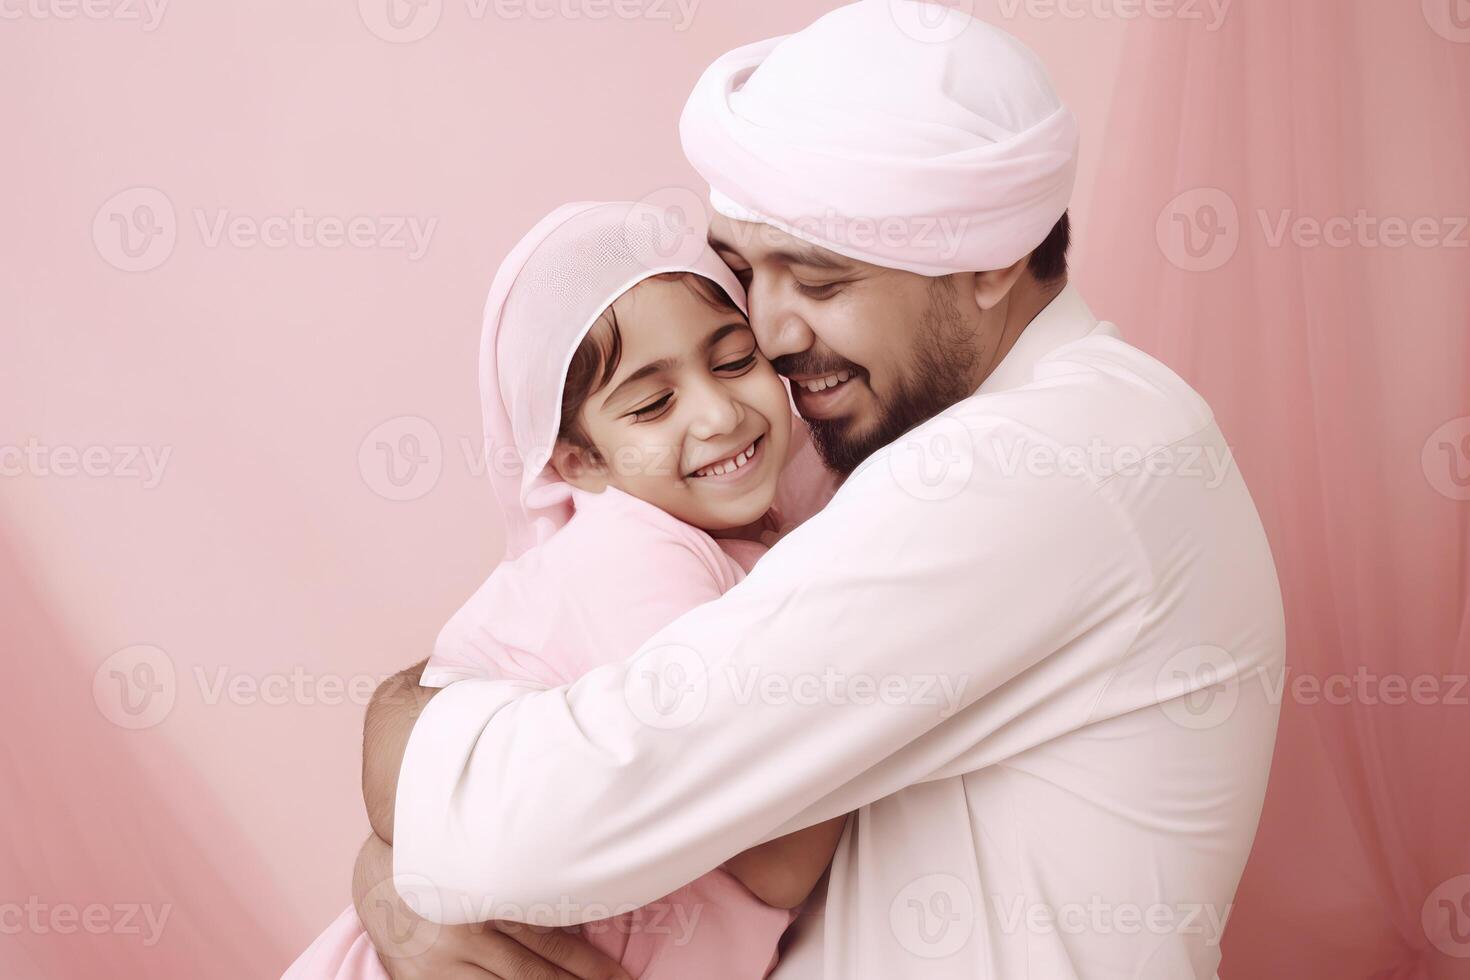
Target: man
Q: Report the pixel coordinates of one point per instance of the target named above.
(1027, 644)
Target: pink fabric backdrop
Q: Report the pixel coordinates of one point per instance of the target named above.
(291, 541)
(1342, 377)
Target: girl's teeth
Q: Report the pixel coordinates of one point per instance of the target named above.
(730, 465)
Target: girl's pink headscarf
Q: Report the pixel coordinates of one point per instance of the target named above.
(547, 294)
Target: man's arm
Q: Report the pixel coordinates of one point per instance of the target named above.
(781, 873)
(395, 706)
(904, 627)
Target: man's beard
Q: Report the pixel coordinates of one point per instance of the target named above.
(943, 375)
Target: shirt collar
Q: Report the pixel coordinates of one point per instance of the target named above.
(1065, 319)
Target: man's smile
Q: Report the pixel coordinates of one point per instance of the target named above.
(827, 396)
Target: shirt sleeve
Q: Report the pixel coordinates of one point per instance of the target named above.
(923, 620)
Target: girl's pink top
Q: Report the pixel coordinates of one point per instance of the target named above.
(617, 572)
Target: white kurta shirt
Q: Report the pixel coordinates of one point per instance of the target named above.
(1033, 645)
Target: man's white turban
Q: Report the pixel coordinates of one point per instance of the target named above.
(896, 132)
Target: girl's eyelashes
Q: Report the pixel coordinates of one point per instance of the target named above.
(729, 369)
(733, 368)
(652, 410)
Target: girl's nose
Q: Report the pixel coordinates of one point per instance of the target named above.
(716, 413)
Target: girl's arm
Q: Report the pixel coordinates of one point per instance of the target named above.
(783, 872)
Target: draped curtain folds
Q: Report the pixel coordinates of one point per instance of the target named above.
(104, 873)
(1337, 358)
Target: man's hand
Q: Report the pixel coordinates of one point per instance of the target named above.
(413, 948)
(396, 705)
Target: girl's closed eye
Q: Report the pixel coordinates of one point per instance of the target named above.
(739, 366)
(652, 410)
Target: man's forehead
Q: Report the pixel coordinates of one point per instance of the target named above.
(757, 241)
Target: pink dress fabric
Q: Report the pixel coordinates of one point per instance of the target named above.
(614, 575)
(617, 573)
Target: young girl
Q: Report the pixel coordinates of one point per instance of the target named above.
(637, 440)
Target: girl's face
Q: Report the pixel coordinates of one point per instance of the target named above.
(693, 420)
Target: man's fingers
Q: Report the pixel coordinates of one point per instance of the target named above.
(467, 971)
(568, 950)
(505, 958)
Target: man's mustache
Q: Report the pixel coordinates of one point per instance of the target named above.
(808, 364)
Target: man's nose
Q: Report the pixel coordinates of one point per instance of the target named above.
(778, 328)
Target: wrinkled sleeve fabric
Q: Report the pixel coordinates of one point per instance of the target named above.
(923, 620)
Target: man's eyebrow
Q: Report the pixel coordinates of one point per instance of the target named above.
(816, 258)
(810, 256)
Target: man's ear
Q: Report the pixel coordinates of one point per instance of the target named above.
(993, 287)
(580, 466)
